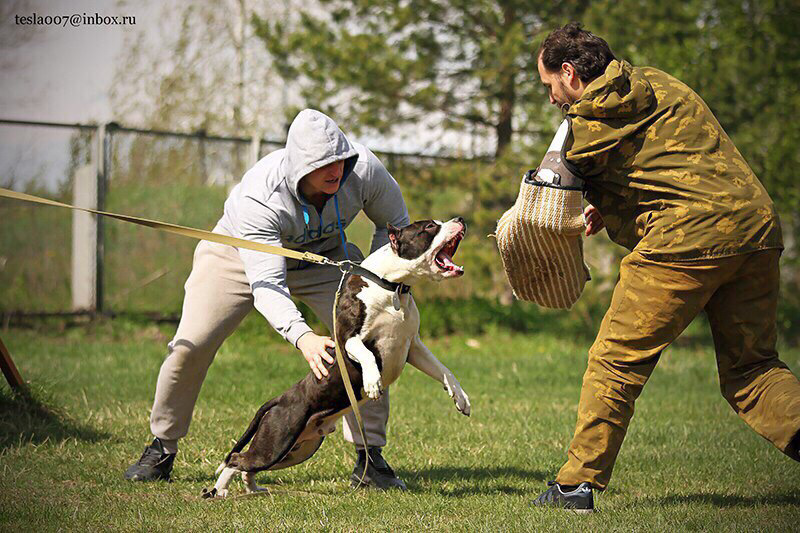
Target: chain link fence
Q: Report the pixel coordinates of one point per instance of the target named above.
(174, 177)
(51, 265)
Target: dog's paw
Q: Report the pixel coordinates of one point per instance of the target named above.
(373, 386)
(462, 402)
(214, 493)
(460, 398)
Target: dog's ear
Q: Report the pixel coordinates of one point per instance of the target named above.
(394, 240)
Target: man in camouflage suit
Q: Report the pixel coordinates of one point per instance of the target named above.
(703, 235)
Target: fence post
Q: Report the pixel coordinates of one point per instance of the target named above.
(103, 167)
(84, 240)
(87, 230)
(255, 150)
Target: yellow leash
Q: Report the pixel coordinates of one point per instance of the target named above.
(180, 230)
(345, 266)
(351, 395)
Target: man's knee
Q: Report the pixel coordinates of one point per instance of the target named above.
(620, 373)
(184, 356)
(740, 384)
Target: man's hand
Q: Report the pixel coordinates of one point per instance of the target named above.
(313, 347)
(594, 221)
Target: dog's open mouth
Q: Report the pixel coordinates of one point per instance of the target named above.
(444, 257)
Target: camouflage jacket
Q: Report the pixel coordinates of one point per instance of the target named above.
(666, 178)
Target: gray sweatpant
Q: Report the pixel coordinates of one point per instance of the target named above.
(217, 298)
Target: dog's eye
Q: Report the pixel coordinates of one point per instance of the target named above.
(431, 225)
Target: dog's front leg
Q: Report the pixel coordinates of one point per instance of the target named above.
(220, 489)
(423, 359)
(370, 374)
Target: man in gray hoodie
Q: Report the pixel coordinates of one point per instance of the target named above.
(299, 197)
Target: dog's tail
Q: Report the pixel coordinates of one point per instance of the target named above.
(249, 432)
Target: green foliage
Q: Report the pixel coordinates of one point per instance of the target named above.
(34, 257)
(386, 63)
(742, 57)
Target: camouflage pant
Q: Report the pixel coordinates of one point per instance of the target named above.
(652, 304)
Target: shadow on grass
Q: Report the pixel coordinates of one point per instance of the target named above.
(444, 480)
(729, 500)
(204, 477)
(24, 418)
(470, 480)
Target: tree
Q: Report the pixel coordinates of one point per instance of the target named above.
(455, 64)
(743, 59)
(201, 69)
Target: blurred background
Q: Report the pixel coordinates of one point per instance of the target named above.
(170, 109)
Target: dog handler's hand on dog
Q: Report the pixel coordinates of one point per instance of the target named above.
(594, 221)
(314, 350)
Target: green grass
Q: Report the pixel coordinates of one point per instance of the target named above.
(688, 462)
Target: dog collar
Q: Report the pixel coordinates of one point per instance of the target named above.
(400, 288)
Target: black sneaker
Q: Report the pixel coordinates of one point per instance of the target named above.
(154, 465)
(379, 474)
(793, 450)
(580, 499)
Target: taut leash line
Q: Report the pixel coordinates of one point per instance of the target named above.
(345, 266)
(180, 230)
(348, 386)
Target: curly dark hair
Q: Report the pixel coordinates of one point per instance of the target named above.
(588, 53)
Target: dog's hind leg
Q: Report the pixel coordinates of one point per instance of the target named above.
(249, 479)
(277, 432)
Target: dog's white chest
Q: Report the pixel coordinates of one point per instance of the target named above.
(392, 331)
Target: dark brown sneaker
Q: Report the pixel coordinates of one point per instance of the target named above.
(154, 465)
(793, 450)
(379, 474)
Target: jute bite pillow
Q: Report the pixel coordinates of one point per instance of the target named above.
(541, 237)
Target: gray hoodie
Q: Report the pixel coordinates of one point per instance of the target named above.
(267, 206)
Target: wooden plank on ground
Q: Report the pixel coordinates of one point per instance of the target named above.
(10, 369)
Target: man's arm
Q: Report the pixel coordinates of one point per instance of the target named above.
(267, 272)
(267, 276)
(383, 201)
(421, 357)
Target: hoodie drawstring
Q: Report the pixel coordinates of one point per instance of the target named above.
(307, 219)
(341, 229)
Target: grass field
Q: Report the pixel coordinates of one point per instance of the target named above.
(688, 462)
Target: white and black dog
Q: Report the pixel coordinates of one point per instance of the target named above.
(379, 329)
